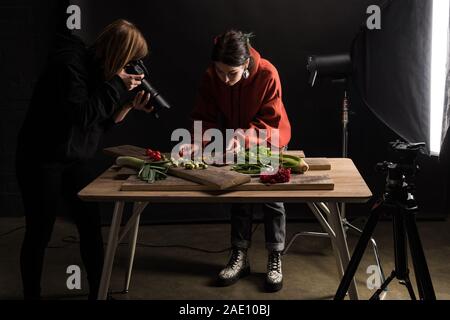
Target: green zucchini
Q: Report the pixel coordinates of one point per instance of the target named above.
(131, 162)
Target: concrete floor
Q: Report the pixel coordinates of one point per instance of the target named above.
(177, 273)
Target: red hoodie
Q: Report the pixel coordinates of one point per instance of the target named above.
(255, 102)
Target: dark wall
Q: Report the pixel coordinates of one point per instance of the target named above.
(26, 31)
(180, 35)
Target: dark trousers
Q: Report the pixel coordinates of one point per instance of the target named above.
(274, 224)
(46, 189)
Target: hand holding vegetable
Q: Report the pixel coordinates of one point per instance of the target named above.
(188, 149)
(259, 158)
(234, 145)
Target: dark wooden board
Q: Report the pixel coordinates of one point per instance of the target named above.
(213, 177)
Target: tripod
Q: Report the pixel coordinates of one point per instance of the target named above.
(398, 200)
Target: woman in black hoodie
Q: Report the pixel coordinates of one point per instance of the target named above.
(81, 93)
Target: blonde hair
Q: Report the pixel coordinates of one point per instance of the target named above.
(119, 43)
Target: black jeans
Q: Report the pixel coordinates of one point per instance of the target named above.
(46, 189)
(274, 224)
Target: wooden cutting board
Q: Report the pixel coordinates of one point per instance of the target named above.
(133, 151)
(298, 182)
(213, 177)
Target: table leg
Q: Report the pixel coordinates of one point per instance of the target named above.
(339, 268)
(337, 256)
(317, 209)
(110, 250)
(132, 250)
(341, 243)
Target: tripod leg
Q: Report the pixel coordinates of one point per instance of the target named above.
(408, 285)
(377, 293)
(359, 251)
(400, 253)
(423, 278)
(375, 251)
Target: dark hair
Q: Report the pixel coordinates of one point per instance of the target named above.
(232, 48)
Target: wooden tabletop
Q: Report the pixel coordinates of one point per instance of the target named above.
(349, 186)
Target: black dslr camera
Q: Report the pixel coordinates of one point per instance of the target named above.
(156, 100)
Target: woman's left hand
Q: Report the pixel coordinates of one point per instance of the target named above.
(234, 146)
(140, 102)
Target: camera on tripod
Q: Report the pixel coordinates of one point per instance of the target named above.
(156, 100)
(398, 200)
(404, 163)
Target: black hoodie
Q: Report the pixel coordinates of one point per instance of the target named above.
(71, 106)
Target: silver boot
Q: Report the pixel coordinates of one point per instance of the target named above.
(236, 268)
(274, 277)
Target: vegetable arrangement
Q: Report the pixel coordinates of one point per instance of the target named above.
(189, 164)
(147, 171)
(153, 155)
(296, 164)
(282, 175)
(257, 159)
(156, 168)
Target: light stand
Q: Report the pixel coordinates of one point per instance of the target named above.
(338, 67)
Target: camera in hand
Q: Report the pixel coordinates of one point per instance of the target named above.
(156, 100)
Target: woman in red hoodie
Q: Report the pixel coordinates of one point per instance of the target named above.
(241, 90)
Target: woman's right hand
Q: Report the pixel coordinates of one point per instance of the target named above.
(188, 149)
(131, 81)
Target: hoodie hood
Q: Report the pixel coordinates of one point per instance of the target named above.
(255, 102)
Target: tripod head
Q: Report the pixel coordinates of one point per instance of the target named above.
(401, 173)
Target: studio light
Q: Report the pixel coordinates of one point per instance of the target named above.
(439, 54)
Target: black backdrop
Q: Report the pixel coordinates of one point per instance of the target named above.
(180, 34)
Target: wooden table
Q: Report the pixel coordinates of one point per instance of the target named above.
(349, 188)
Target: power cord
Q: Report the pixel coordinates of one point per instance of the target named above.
(70, 240)
(11, 231)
